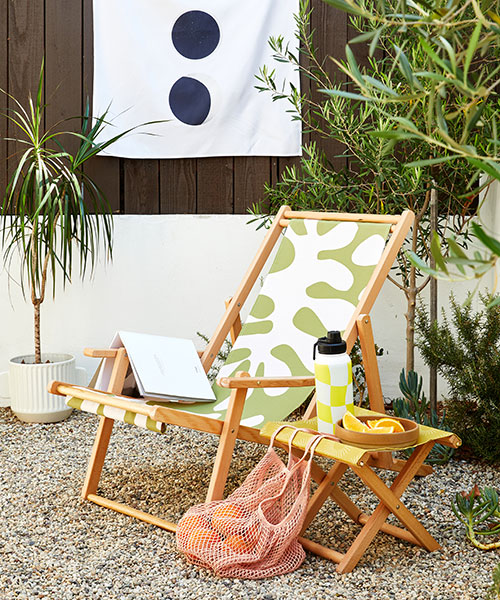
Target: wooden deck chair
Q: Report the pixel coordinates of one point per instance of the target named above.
(358, 460)
(326, 275)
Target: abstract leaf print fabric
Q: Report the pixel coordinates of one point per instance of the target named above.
(192, 66)
(314, 285)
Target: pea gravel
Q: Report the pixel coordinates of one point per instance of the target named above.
(54, 545)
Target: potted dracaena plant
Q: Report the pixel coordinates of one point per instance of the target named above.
(52, 216)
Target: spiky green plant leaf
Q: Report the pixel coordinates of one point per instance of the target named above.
(53, 215)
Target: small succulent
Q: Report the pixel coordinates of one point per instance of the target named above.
(415, 406)
(479, 511)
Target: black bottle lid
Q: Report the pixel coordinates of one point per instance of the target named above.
(331, 344)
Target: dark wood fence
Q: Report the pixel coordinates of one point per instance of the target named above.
(61, 31)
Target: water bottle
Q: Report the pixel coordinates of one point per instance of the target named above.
(333, 373)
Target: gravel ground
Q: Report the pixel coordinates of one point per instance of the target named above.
(54, 545)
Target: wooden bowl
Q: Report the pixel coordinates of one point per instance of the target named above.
(398, 439)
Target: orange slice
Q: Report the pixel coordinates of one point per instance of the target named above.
(381, 430)
(388, 422)
(352, 423)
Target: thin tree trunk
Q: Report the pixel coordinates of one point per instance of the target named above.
(410, 329)
(38, 350)
(411, 296)
(37, 302)
(412, 290)
(433, 308)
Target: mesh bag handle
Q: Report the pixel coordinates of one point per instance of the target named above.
(317, 438)
(310, 447)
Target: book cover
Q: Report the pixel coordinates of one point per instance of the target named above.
(166, 368)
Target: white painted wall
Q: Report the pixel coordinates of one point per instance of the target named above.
(170, 275)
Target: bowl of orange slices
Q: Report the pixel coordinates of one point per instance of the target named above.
(376, 431)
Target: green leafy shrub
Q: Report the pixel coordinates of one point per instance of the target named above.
(465, 351)
(415, 406)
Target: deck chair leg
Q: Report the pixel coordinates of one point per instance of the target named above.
(323, 491)
(105, 428)
(389, 503)
(97, 457)
(228, 438)
(343, 501)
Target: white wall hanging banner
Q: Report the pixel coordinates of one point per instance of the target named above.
(194, 64)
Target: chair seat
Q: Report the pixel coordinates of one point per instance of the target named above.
(342, 452)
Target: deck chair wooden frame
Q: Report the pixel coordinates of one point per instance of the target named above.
(230, 429)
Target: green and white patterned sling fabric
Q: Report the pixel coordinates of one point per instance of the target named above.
(314, 285)
(117, 414)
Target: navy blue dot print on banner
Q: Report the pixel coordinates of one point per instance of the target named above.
(195, 34)
(190, 101)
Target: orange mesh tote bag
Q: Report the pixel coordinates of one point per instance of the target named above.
(253, 533)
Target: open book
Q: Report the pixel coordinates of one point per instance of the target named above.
(166, 368)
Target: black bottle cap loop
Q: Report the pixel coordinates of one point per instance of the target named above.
(331, 344)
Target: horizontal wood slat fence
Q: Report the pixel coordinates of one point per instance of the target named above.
(61, 30)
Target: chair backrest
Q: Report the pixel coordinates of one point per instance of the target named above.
(323, 275)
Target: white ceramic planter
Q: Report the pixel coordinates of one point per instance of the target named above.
(24, 386)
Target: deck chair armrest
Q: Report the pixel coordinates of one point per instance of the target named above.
(110, 352)
(100, 353)
(265, 382)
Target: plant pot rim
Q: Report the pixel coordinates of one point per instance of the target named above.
(53, 357)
